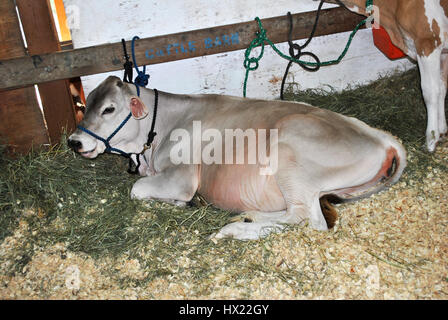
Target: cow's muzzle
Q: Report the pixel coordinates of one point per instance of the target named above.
(74, 144)
(78, 147)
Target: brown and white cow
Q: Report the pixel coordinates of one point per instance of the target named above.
(316, 153)
(420, 29)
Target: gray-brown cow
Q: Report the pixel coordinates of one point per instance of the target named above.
(310, 153)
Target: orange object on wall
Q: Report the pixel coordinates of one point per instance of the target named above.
(62, 17)
(383, 42)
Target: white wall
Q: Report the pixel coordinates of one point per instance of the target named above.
(105, 21)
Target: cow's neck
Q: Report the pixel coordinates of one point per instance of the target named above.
(387, 10)
(358, 6)
(169, 112)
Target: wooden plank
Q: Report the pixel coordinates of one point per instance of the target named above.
(21, 121)
(12, 44)
(41, 35)
(160, 49)
(38, 26)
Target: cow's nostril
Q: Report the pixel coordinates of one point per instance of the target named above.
(74, 144)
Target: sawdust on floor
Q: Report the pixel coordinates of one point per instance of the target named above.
(393, 245)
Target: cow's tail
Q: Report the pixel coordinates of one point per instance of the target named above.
(329, 212)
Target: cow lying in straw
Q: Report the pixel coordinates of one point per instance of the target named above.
(295, 154)
(420, 29)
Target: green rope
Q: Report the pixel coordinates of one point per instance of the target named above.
(252, 63)
(369, 6)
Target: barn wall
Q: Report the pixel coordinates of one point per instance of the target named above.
(105, 21)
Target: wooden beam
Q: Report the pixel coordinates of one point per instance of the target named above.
(184, 45)
(21, 123)
(41, 35)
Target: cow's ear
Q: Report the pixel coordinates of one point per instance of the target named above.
(138, 108)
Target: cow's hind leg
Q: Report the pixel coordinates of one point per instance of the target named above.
(253, 225)
(326, 205)
(300, 190)
(302, 204)
(442, 114)
(434, 91)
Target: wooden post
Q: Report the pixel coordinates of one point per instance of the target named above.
(109, 57)
(42, 38)
(21, 121)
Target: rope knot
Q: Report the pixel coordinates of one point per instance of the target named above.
(142, 79)
(251, 64)
(151, 137)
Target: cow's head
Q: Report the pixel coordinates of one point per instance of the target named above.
(107, 106)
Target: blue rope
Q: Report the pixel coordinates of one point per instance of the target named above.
(109, 148)
(120, 126)
(142, 78)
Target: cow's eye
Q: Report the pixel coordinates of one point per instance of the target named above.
(108, 110)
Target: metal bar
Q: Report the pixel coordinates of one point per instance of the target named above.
(109, 57)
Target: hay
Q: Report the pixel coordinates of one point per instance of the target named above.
(68, 229)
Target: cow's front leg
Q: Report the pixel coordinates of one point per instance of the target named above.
(176, 185)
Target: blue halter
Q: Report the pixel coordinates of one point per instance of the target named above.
(109, 148)
(140, 81)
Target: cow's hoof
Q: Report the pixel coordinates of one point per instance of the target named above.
(246, 217)
(177, 203)
(247, 231)
(432, 139)
(431, 145)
